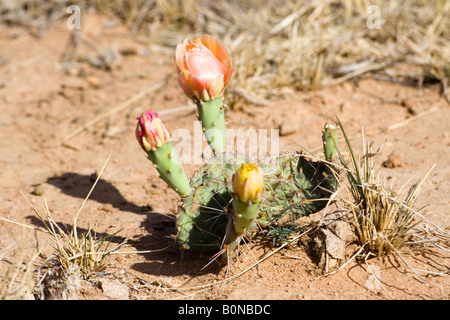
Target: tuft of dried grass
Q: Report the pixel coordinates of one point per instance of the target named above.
(76, 254)
(82, 254)
(17, 282)
(385, 220)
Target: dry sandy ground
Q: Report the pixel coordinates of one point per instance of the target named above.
(40, 106)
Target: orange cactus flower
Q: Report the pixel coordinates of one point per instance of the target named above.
(204, 68)
(150, 131)
(248, 183)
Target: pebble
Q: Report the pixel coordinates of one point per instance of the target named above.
(93, 81)
(38, 190)
(114, 289)
(288, 127)
(394, 160)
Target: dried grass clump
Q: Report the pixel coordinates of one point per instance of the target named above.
(17, 283)
(284, 46)
(385, 221)
(77, 254)
(279, 47)
(81, 254)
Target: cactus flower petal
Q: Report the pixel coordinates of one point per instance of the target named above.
(204, 68)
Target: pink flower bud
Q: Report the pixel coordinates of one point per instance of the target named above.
(150, 131)
(204, 68)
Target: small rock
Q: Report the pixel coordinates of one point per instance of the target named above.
(288, 127)
(78, 121)
(169, 96)
(347, 86)
(414, 105)
(73, 82)
(346, 105)
(394, 160)
(108, 208)
(111, 132)
(93, 81)
(128, 51)
(334, 233)
(337, 235)
(38, 190)
(114, 289)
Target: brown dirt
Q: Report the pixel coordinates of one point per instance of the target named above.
(40, 106)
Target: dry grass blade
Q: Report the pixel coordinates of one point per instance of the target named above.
(87, 197)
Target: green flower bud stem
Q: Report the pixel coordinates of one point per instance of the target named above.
(230, 242)
(212, 116)
(170, 169)
(244, 216)
(330, 138)
(241, 223)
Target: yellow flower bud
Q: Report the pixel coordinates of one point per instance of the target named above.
(248, 183)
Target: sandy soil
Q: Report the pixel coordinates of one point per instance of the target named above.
(40, 106)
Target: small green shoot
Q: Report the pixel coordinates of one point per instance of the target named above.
(282, 233)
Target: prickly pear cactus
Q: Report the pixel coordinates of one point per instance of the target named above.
(294, 186)
(228, 198)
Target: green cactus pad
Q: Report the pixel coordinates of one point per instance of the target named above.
(330, 136)
(293, 188)
(244, 214)
(297, 187)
